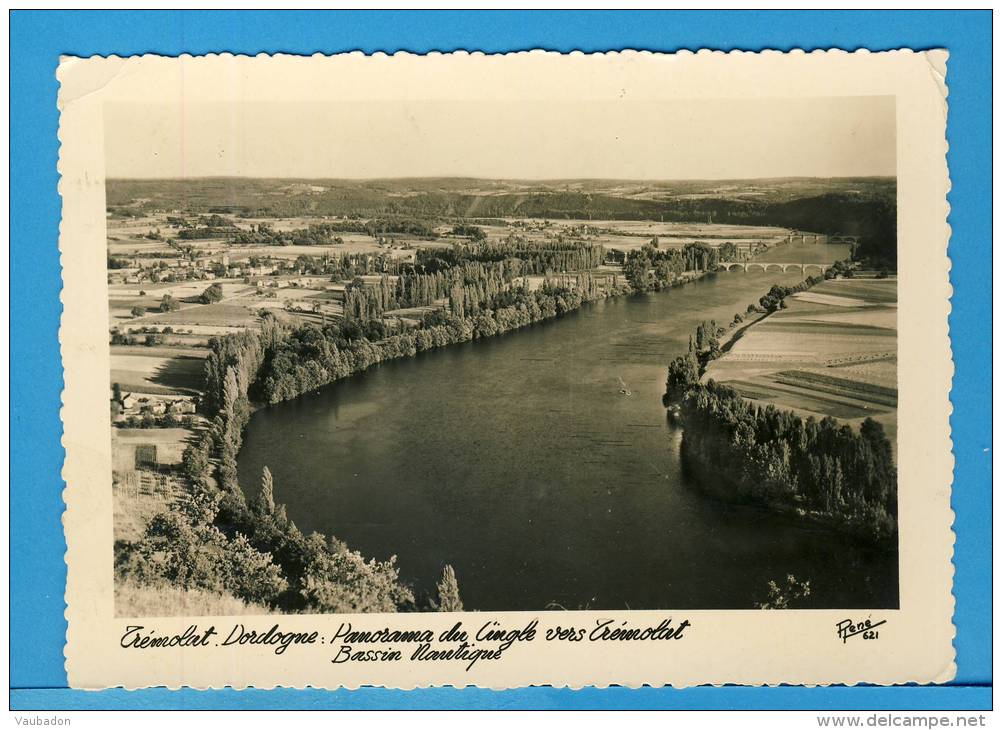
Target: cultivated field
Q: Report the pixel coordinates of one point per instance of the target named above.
(170, 443)
(122, 298)
(806, 253)
(213, 315)
(124, 245)
(831, 352)
(158, 370)
(139, 495)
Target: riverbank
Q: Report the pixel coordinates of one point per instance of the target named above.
(430, 336)
(247, 531)
(281, 364)
(831, 352)
(797, 513)
(531, 430)
(302, 360)
(363, 502)
(787, 460)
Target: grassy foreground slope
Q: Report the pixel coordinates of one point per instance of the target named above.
(135, 599)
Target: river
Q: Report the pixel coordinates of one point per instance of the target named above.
(518, 461)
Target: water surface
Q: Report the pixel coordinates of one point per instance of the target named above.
(518, 461)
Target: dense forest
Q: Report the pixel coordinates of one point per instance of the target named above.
(745, 452)
(468, 275)
(321, 234)
(518, 256)
(650, 268)
(775, 457)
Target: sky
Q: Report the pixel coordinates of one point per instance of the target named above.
(635, 140)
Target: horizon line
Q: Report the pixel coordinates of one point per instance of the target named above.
(511, 179)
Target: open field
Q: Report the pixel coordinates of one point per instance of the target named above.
(878, 372)
(416, 313)
(872, 291)
(125, 246)
(181, 291)
(805, 253)
(158, 370)
(217, 315)
(170, 443)
(820, 393)
(821, 356)
(121, 306)
(159, 351)
(132, 226)
(831, 300)
(353, 243)
(843, 387)
(764, 388)
(122, 298)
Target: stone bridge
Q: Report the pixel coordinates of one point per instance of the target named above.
(807, 237)
(770, 266)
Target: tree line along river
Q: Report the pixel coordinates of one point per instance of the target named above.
(519, 461)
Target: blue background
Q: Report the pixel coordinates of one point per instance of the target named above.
(37, 570)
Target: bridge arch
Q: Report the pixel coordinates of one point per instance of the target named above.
(843, 238)
(766, 266)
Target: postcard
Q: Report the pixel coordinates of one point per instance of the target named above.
(506, 370)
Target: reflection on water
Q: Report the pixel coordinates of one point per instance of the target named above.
(520, 461)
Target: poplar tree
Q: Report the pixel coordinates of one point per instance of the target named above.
(264, 505)
(230, 391)
(448, 591)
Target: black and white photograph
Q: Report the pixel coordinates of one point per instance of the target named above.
(506, 370)
(485, 355)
